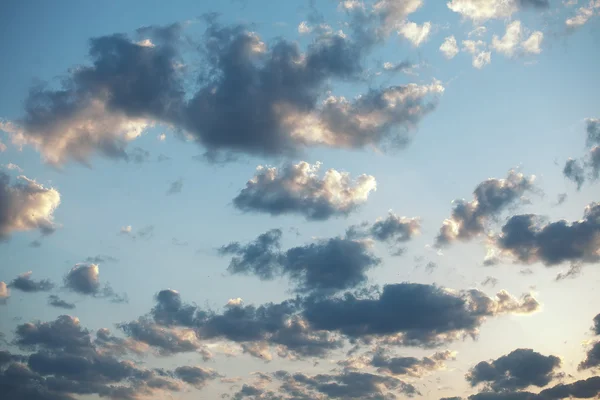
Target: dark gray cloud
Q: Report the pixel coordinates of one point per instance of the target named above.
(64, 334)
(85, 279)
(596, 327)
(328, 265)
(517, 370)
(573, 272)
(526, 240)
(24, 283)
(490, 280)
(138, 155)
(101, 258)
(274, 91)
(57, 302)
(393, 229)
(195, 376)
(347, 385)
(26, 205)
(592, 359)
(491, 197)
(588, 167)
(389, 365)
(175, 187)
(298, 189)
(413, 314)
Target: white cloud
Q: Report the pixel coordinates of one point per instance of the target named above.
(2, 147)
(449, 48)
(477, 49)
(13, 167)
(417, 34)
(162, 137)
(478, 32)
(483, 10)
(4, 292)
(510, 41)
(146, 43)
(26, 205)
(534, 43)
(303, 28)
(126, 230)
(583, 14)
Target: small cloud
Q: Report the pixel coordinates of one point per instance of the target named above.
(4, 293)
(449, 48)
(162, 137)
(13, 167)
(178, 242)
(126, 230)
(55, 301)
(175, 187)
(416, 34)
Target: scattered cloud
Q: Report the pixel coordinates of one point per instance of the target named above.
(482, 10)
(175, 187)
(584, 14)
(26, 205)
(298, 189)
(481, 58)
(416, 34)
(55, 301)
(24, 283)
(85, 279)
(449, 48)
(4, 293)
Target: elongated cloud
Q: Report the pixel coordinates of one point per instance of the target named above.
(298, 189)
(26, 205)
(24, 283)
(587, 167)
(526, 240)
(491, 197)
(394, 230)
(482, 10)
(274, 91)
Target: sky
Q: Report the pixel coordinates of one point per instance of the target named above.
(328, 199)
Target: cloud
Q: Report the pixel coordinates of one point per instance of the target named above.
(596, 327)
(491, 197)
(491, 281)
(327, 266)
(64, 334)
(57, 302)
(592, 359)
(144, 233)
(347, 385)
(435, 315)
(512, 41)
(26, 205)
(416, 34)
(24, 283)
(526, 240)
(393, 229)
(102, 258)
(481, 58)
(449, 48)
(2, 147)
(175, 187)
(85, 279)
(275, 92)
(517, 370)
(410, 366)
(583, 15)
(4, 293)
(533, 44)
(587, 167)
(298, 189)
(196, 376)
(482, 10)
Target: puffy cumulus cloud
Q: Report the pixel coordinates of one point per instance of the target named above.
(584, 14)
(435, 315)
(85, 279)
(582, 389)
(517, 370)
(491, 197)
(55, 301)
(4, 293)
(482, 10)
(277, 325)
(528, 241)
(476, 48)
(449, 47)
(26, 205)
(24, 283)
(416, 34)
(298, 189)
(346, 385)
(393, 229)
(588, 167)
(67, 362)
(274, 90)
(592, 359)
(329, 265)
(165, 340)
(512, 41)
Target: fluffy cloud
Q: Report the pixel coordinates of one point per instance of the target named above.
(584, 14)
(274, 92)
(491, 197)
(326, 266)
(409, 366)
(592, 359)
(24, 283)
(85, 279)
(481, 58)
(513, 41)
(416, 34)
(482, 10)
(526, 240)
(393, 229)
(68, 362)
(298, 189)
(26, 205)
(449, 48)
(517, 370)
(435, 315)
(582, 389)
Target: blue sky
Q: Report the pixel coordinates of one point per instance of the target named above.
(257, 182)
